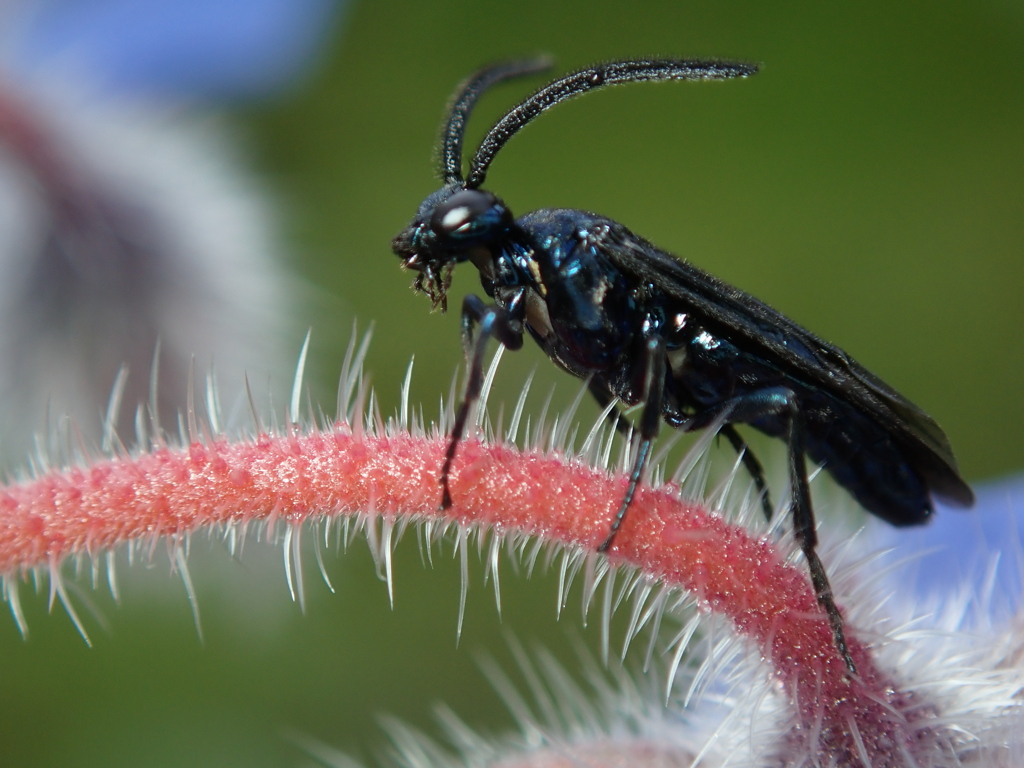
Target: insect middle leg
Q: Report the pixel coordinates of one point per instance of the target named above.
(750, 462)
(493, 321)
(622, 425)
(754, 468)
(752, 465)
(780, 401)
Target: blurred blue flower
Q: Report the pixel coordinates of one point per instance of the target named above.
(128, 224)
(979, 550)
(195, 48)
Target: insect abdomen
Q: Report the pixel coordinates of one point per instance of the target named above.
(864, 458)
(859, 452)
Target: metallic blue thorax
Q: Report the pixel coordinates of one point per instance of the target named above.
(580, 307)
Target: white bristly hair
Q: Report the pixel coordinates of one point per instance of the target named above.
(691, 692)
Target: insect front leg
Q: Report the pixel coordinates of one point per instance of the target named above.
(650, 421)
(506, 325)
(780, 401)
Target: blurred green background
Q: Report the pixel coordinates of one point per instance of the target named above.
(869, 182)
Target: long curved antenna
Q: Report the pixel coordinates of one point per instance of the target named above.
(591, 78)
(465, 98)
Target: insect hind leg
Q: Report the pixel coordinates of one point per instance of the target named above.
(782, 402)
(807, 535)
(493, 321)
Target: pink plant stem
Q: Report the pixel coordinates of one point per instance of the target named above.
(175, 492)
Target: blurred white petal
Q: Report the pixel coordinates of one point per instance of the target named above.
(122, 225)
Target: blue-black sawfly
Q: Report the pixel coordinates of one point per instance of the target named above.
(646, 328)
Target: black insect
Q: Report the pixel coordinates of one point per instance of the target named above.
(644, 327)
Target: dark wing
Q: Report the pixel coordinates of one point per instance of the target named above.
(742, 319)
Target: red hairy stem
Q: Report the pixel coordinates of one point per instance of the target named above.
(174, 492)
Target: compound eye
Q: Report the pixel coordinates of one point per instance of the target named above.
(467, 215)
